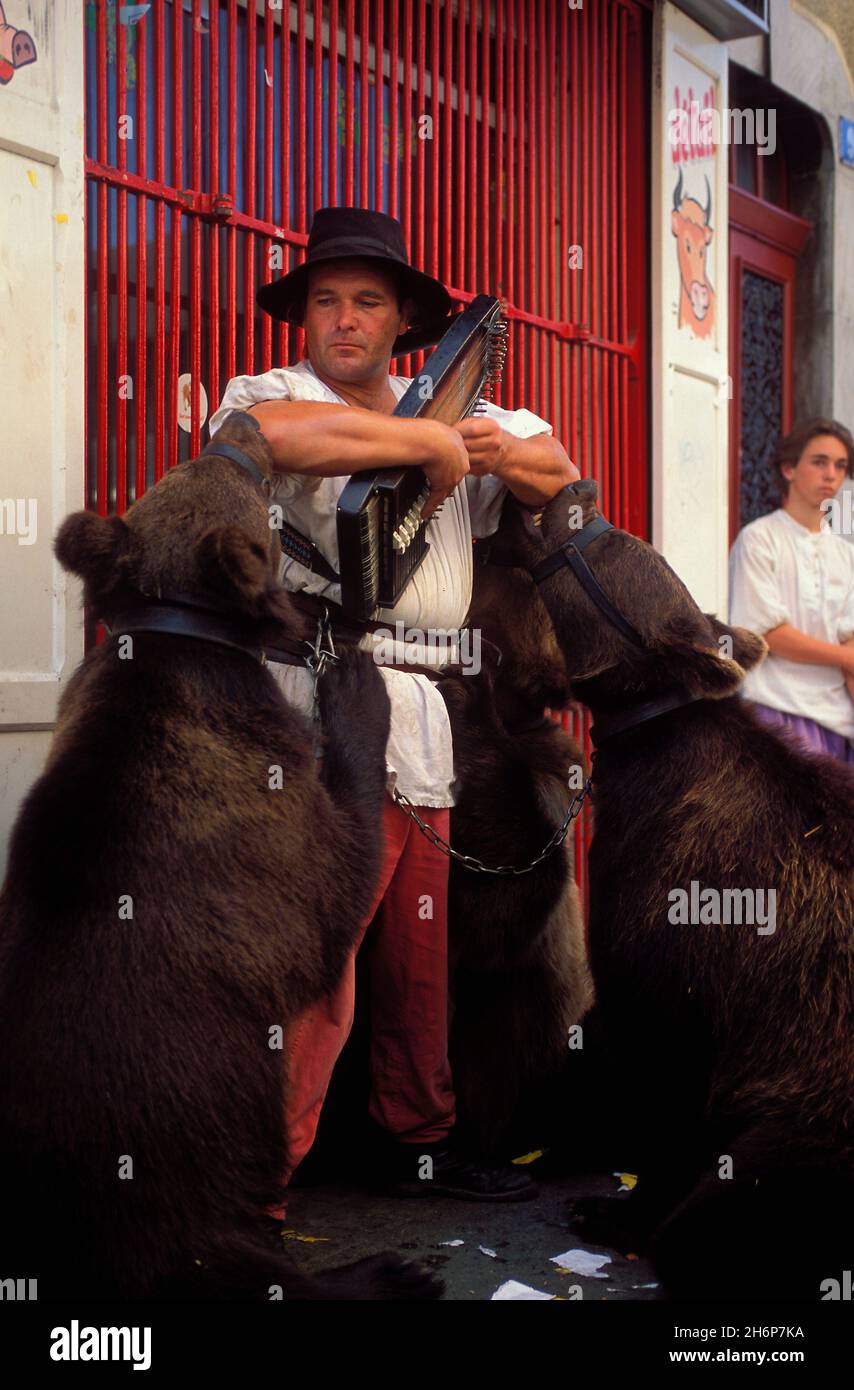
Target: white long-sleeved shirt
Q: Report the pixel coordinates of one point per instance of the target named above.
(782, 573)
(419, 754)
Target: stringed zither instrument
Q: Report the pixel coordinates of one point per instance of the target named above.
(381, 535)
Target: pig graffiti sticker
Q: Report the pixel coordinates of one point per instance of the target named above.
(16, 49)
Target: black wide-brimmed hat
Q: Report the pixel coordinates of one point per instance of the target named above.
(341, 233)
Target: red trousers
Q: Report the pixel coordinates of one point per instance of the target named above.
(412, 1093)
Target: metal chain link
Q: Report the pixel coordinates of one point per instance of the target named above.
(469, 861)
(316, 662)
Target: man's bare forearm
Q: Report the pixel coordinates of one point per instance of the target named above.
(335, 440)
(793, 645)
(536, 469)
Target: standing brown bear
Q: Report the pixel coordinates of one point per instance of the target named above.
(518, 969)
(735, 1023)
(182, 882)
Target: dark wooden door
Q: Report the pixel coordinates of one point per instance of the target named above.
(764, 244)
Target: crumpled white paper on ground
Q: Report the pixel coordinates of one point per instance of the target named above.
(512, 1289)
(582, 1262)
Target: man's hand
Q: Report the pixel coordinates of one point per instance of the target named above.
(534, 469)
(848, 668)
(448, 465)
(486, 444)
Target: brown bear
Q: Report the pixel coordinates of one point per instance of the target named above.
(721, 928)
(182, 882)
(517, 961)
(518, 974)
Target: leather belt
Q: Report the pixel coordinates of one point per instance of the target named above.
(347, 629)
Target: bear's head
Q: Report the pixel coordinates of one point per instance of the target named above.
(519, 646)
(204, 531)
(681, 647)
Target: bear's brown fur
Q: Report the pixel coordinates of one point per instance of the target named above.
(738, 1046)
(140, 1043)
(517, 962)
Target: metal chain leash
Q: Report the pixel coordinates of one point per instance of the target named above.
(322, 652)
(469, 861)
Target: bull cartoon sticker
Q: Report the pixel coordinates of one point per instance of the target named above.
(16, 49)
(690, 223)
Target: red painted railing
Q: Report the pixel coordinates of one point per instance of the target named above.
(502, 134)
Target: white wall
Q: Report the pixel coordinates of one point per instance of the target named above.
(42, 313)
(689, 371)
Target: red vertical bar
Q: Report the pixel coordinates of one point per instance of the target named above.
(103, 243)
(472, 224)
(378, 106)
(567, 278)
(531, 334)
(196, 238)
(624, 275)
(87, 231)
(543, 164)
(302, 149)
(434, 147)
(266, 243)
(301, 118)
(551, 167)
(332, 59)
(141, 260)
(569, 184)
(487, 159)
(600, 407)
(408, 366)
(421, 108)
(364, 111)
(511, 206)
(392, 111)
(214, 233)
(508, 162)
(118, 385)
(580, 25)
(159, 253)
(285, 153)
(317, 195)
(406, 186)
(448, 275)
(615, 231)
(175, 295)
(349, 105)
(603, 404)
(231, 232)
(498, 164)
(460, 199)
(523, 293)
(249, 183)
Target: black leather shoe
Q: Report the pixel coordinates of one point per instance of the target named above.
(425, 1170)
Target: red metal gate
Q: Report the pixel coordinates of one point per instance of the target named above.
(510, 138)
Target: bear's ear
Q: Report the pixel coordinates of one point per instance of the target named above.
(237, 568)
(744, 646)
(710, 665)
(96, 548)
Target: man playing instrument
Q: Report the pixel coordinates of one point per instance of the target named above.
(331, 416)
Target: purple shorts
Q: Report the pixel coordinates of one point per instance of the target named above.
(815, 737)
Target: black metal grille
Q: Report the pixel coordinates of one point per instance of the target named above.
(761, 393)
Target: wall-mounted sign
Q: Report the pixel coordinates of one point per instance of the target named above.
(185, 403)
(846, 141)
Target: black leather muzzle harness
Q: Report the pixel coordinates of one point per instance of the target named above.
(184, 615)
(570, 555)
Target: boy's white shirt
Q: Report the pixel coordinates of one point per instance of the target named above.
(782, 573)
(419, 754)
